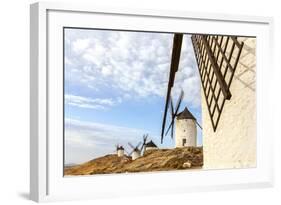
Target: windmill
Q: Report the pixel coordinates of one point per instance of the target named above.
(144, 142)
(150, 146)
(119, 150)
(186, 132)
(185, 122)
(136, 153)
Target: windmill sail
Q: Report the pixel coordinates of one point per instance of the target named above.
(144, 142)
(174, 113)
(177, 43)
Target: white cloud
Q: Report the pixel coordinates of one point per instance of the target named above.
(131, 64)
(86, 102)
(87, 140)
(107, 70)
(68, 61)
(187, 77)
(80, 45)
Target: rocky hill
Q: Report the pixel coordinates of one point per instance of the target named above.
(153, 160)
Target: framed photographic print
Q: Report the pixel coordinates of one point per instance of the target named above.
(130, 102)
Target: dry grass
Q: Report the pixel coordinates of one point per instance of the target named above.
(153, 160)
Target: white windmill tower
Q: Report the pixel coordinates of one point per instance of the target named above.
(119, 150)
(136, 153)
(186, 132)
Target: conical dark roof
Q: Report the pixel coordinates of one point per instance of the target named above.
(120, 148)
(150, 144)
(185, 114)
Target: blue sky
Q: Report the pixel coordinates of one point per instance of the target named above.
(115, 89)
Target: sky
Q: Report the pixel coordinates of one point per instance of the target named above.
(115, 89)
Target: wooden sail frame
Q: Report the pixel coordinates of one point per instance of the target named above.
(217, 58)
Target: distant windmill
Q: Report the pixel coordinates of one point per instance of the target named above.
(186, 132)
(143, 142)
(136, 153)
(150, 146)
(119, 150)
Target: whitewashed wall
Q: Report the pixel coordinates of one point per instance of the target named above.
(233, 145)
(120, 153)
(186, 129)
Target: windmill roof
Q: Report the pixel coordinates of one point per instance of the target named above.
(150, 144)
(120, 148)
(185, 114)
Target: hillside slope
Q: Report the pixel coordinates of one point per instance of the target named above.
(154, 160)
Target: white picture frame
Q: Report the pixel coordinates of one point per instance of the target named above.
(46, 181)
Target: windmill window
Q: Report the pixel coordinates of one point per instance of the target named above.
(183, 142)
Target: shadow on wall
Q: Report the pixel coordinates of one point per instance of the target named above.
(248, 75)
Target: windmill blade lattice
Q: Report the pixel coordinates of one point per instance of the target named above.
(174, 113)
(179, 102)
(175, 58)
(137, 147)
(198, 124)
(131, 145)
(144, 141)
